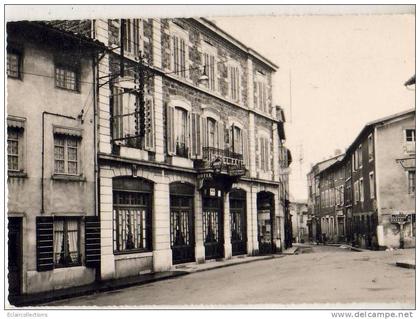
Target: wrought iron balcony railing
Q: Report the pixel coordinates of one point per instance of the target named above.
(227, 157)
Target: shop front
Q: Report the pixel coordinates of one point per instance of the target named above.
(265, 217)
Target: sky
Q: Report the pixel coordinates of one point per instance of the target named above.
(346, 64)
(344, 71)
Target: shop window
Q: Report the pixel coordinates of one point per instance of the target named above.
(132, 215)
(66, 155)
(66, 242)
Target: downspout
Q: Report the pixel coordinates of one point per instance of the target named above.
(43, 150)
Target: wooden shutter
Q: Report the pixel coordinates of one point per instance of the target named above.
(188, 137)
(221, 133)
(257, 153)
(149, 136)
(92, 241)
(196, 135)
(170, 127)
(245, 146)
(44, 243)
(204, 140)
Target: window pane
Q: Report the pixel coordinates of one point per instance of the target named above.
(13, 65)
(72, 168)
(59, 152)
(65, 78)
(72, 153)
(59, 166)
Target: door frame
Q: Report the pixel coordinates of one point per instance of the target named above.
(219, 197)
(271, 207)
(241, 197)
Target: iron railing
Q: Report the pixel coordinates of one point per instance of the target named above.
(227, 157)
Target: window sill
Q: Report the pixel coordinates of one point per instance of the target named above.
(64, 177)
(17, 174)
(130, 254)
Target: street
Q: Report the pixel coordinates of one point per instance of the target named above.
(319, 274)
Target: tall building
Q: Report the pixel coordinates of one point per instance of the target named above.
(50, 158)
(187, 151)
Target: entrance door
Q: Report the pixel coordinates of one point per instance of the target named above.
(213, 227)
(265, 222)
(237, 203)
(15, 255)
(182, 223)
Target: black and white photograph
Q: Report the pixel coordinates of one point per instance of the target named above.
(204, 157)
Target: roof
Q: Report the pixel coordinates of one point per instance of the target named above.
(376, 122)
(213, 27)
(46, 31)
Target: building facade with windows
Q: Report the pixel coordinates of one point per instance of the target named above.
(377, 174)
(188, 147)
(50, 158)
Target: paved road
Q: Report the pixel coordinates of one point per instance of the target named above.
(319, 275)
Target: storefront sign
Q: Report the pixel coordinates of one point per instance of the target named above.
(399, 218)
(236, 171)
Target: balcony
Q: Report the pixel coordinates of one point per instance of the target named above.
(222, 161)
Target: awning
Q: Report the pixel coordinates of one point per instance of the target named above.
(59, 130)
(16, 123)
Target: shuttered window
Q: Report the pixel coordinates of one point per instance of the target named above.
(179, 56)
(196, 136)
(132, 36)
(210, 69)
(180, 136)
(44, 243)
(92, 241)
(67, 242)
(234, 84)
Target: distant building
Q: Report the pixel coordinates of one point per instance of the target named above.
(371, 189)
(299, 219)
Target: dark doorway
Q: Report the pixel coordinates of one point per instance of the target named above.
(265, 216)
(213, 223)
(182, 222)
(15, 255)
(237, 203)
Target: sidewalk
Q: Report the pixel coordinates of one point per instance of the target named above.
(103, 286)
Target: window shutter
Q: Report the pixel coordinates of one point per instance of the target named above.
(245, 146)
(44, 243)
(149, 124)
(170, 126)
(257, 153)
(221, 132)
(92, 241)
(196, 135)
(189, 136)
(204, 132)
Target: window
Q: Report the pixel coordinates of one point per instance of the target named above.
(237, 140)
(212, 133)
(261, 95)
(132, 31)
(66, 77)
(355, 161)
(370, 146)
(66, 242)
(12, 149)
(359, 157)
(14, 64)
(132, 214)
(66, 155)
(361, 190)
(410, 140)
(372, 184)
(412, 182)
(264, 154)
(179, 47)
(210, 70)
(356, 192)
(128, 118)
(234, 86)
(181, 132)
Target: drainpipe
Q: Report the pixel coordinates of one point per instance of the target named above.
(43, 149)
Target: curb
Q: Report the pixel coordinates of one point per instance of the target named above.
(41, 299)
(407, 265)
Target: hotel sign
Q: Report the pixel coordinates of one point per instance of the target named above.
(400, 218)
